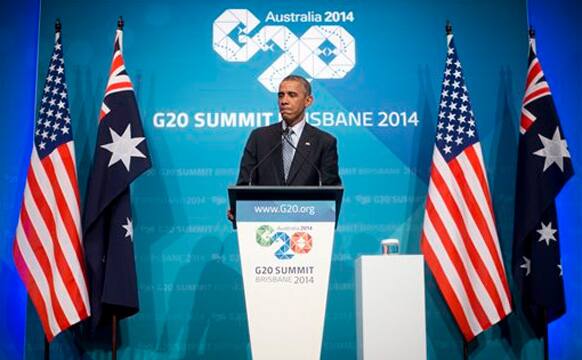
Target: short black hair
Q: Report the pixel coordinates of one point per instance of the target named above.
(302, 80)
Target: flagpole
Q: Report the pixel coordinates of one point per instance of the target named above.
(47, 346)
(532, 35)
(120, 24)
(449, 31)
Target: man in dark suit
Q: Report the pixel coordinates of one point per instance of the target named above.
(291, 161)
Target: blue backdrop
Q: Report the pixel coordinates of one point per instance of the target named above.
(187, 259)
(18, 59)
(560, 51)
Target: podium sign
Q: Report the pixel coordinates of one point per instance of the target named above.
(285, 251)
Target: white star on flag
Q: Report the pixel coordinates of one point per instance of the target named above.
(560, 267)
(547, 233)
(554, 150)
(129, 229)
(123, 147)
(526, 265)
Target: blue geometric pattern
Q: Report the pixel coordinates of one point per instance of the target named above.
(284, 252)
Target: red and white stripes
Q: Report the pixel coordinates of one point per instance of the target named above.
(47, 250)
(460, 244)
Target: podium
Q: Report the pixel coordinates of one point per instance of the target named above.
(285, 238)
(390, 307)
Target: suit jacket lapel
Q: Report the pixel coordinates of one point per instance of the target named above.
(303, 149)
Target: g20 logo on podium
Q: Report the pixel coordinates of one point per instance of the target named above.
(323, 51)
(300, 242)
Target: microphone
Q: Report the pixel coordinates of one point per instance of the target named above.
(279, 144)
(320, 177)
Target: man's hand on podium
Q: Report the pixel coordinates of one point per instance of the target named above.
(230, 215)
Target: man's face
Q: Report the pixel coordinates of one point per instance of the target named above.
(293, 100)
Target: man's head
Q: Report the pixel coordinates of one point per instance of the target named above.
(294, 97)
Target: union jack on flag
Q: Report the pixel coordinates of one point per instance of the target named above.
(459, 239)
(47, 250)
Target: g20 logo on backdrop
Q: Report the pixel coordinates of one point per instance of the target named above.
(323, 51)
(300, 242)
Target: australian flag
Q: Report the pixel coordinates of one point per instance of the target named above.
(121, 155)
(543, 167)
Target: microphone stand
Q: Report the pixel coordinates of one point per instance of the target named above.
(254, 169)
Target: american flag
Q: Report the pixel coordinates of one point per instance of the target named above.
(459, 238)
(121, 155)
(47, 250)
(543, 168)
